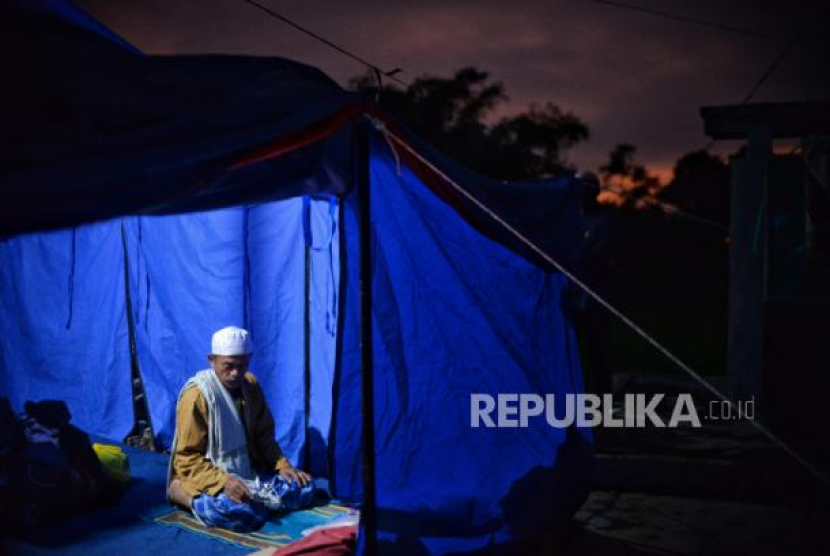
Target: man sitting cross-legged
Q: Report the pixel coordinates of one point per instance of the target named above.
(225, 464)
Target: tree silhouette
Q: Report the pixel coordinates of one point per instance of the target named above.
(454, 115)
(620, 161)
(627, 184)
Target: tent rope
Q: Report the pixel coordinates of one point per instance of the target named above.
(386, 135)
(691, 20)
(602, 301)
(391, 74)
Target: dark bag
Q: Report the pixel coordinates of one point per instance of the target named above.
(53, 474)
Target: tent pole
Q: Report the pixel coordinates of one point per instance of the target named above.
(307, 347)
(368, 515)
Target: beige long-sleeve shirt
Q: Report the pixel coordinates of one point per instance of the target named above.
(190, 464)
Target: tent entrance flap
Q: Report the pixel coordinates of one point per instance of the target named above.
(453, 313)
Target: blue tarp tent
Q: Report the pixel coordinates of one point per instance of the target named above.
(151, 200)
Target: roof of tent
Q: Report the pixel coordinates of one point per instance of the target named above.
(101, 130)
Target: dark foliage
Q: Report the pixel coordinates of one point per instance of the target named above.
(452, 114)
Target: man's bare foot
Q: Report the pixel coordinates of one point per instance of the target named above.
(176, 493)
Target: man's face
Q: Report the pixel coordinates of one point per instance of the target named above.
(230, 369)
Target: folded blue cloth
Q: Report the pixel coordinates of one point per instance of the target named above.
(221, 511)
(295, 497)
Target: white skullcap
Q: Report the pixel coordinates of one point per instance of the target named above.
(231, 341)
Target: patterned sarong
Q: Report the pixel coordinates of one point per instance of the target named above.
(221, 511)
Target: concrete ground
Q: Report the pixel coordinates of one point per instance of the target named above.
(633, 523)
(722, 489)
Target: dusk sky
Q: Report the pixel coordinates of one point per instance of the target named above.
(631, 76)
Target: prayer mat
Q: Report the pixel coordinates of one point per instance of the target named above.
(281, 529)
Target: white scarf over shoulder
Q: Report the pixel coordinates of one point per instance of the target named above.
(227, 445)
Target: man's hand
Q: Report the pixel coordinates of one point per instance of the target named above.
(236, 490)
(293, 475)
